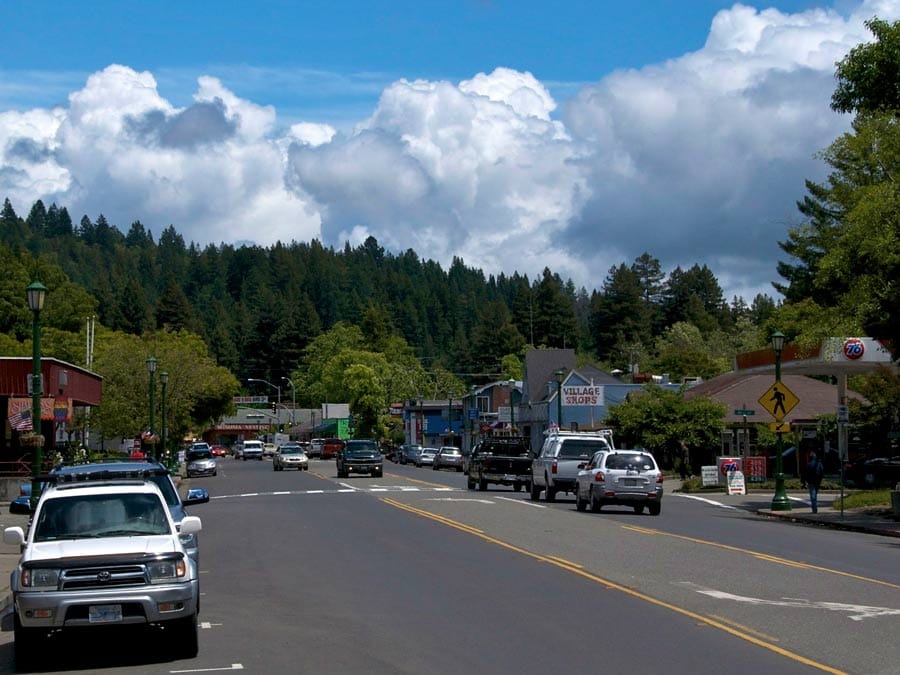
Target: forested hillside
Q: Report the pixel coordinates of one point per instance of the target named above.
(258, 308)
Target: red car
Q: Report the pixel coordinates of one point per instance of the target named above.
(218, 450)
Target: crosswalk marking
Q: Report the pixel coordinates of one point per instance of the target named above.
(361, 490)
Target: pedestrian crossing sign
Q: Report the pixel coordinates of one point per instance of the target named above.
(778, 400)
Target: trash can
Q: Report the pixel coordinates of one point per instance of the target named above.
(895, 503)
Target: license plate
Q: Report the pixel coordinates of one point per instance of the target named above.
(104, 613)
(629, 482)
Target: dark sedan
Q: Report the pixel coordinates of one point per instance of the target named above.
(875, 472)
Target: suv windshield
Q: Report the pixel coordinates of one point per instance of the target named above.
(101, 516)
(366, 447)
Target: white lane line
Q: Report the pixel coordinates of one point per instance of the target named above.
(249, 494)
(705, 500)
(286, 492)
(522, 502)
(346, 486)
(315, 492)
(233, 666)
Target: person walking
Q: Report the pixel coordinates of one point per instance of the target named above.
(812, 476)
(684, 465)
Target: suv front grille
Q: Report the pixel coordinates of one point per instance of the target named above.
(104, 577)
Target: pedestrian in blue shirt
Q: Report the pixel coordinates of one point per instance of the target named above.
(812, 476)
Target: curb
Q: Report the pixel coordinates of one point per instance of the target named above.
(829, 523)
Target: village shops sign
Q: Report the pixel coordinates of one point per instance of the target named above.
(588, 395)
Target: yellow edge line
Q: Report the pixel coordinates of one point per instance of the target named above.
(763, 556)
(558, 562)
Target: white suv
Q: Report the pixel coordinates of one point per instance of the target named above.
(623, 477)
(99, 554)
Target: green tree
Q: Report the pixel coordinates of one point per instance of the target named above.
(868, 75)
(682, 350)
(659, 420)
(198, 391)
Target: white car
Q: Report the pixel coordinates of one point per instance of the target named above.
(102, 554)
(252, 450)
(290, 456)
(622, 477)
(426, 457)
(200, 461)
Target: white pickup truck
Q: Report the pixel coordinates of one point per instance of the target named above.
(555, 469)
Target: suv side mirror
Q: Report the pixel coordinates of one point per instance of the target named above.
(196, 496)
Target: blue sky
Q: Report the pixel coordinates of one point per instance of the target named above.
(516, 135)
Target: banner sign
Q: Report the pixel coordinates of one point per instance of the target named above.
(582, 395)
(19, 412)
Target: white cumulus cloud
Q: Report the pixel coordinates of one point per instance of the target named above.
(698, 159)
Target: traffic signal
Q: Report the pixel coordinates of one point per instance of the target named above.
(274, 407)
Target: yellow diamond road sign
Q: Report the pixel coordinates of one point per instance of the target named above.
(778, 400)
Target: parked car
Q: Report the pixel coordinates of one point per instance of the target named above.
(200, 461)
(237, 450)
(448, 457)
(115, 469)
(359, 456)
(22, 503)
(875, 472)
(331, 447)
(290, 456)
(252, 450)
(426, 457)
(269, 449)
(623, 477)
(408, 453)
(101, 554)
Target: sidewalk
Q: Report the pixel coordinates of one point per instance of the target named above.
(870, 520)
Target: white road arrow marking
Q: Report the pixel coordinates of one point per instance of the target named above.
(705, 500)
(855, 612)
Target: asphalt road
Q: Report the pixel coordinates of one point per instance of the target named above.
(303, 572)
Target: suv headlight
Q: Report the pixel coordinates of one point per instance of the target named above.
(166, 570)
(40, 578)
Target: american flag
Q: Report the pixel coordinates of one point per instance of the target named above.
(21, 420)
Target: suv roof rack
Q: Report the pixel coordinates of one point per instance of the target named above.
(105, 475)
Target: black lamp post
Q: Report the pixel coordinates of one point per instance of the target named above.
(559, 380)
(512, 409)
(293, 397)
(151, 368)
(780, 501)
(164, 381)
(35, 294)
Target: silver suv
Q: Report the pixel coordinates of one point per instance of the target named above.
(556, 467)
(624, 477)
(102, 554)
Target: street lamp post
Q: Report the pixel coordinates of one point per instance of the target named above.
(293, 397)
(35, 293)
(274, 386)
(164, 381)
(151, 368)
(780, 501)
(559, 380)
(512, 409)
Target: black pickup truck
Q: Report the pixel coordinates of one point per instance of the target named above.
(501, 460)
